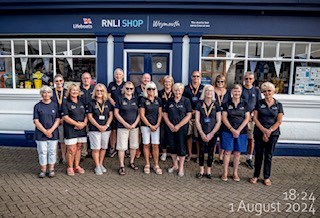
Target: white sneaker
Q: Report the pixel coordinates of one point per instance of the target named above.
(103, 169)
(163, 157)
(98, 171)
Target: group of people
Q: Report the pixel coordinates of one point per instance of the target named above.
(172, 117)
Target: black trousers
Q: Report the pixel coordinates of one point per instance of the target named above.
(207, 147)
(177, 141)
(264, 151)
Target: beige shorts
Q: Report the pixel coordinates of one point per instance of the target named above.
(74, 141)
(192, 129)
(125, 137)
(250, 128)
(99, 140)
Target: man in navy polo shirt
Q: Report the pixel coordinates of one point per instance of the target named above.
(193, 92)
(87, 90)
(251, 95)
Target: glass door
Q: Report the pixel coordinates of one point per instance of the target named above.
(156, 64)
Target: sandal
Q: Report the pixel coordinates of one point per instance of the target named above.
(79, 170)
(157, 170)
(253, 180)
(70, 171)
(236, 178)
(42, 175)
(52, 174)
(225, 179)
(267, 182)
(133, 166)
(122, 171)
(146, 169)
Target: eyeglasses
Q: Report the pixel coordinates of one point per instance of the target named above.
(267, 90)
(99, 90)
(128, 88)
(153, 89)
(248, 78)
(220, 81)
(58, 81)
(195, 76)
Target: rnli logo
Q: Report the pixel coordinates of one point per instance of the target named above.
(230, 107)
(73, 107)
(113, 88)
(86, 24)
(148, 102)
(171, 106)
(263, 106)
(124, 103)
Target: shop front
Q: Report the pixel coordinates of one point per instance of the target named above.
(281, 48)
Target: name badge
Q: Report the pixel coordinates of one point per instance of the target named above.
(207, 120)
(101, 117)
(195, 98)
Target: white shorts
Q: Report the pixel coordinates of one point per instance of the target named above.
(74, 141)
(99, 140)
(125, 136)
(147, 134)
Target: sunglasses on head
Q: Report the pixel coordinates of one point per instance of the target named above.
(149, 89)
(129, 88)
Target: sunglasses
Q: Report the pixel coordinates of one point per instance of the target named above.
(58, 81)
(220, 81)
(195, 76)
(128, 88)
(267, 91)
(149, 89)
(99, 90)
(248, 78)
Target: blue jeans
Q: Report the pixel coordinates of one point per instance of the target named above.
(47, 152)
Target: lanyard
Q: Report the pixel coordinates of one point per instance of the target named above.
(166, 95)
(59, 97)
(205, 109)
(220, 97)
(194, 92)
(99, 108)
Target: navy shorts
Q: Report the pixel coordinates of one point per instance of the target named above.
(229, 143)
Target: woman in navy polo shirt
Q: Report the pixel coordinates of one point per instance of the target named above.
(165, 94)
(151, 114)
(46, 118)
(127, 113)
(235, 117)
(208, 121)
(75, 122)
(177, 115)
(100, 115)
(268, 114)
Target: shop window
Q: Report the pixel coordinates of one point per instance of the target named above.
(89, 47)
(285, 50)
(136, 63)
(301, 51)
(315, 51)
(239, 48)
(61, 47)
(19, 47)
(47, 47)
(33, 72)
(208, 48)
(33, 47)
(223, 48)
(270, 50)
(306, 78)
(75, 47)
(6, 72)
(72, 68)
(254, 49)
(5, 48)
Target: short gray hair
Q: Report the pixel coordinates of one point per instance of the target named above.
(45, 89)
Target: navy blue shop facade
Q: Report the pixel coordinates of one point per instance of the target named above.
(273, 39)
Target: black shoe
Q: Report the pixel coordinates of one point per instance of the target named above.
(250, 164)
(208, 176)
(199, 175)
(82, 158)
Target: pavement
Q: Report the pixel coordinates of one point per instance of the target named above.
(295, 190)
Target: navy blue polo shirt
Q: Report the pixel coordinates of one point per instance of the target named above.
(268, 115)
(77, 112)
(162, 94)
(194, 98)
(47, 115)
(223, 99)
(236, 115)
(138, 92)
(251, 96)
(151, 109)
(207, 127)
(86, 97)
(54, 97)
(115, 90)
(101, 119)
(128, 109)
(177, 111)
